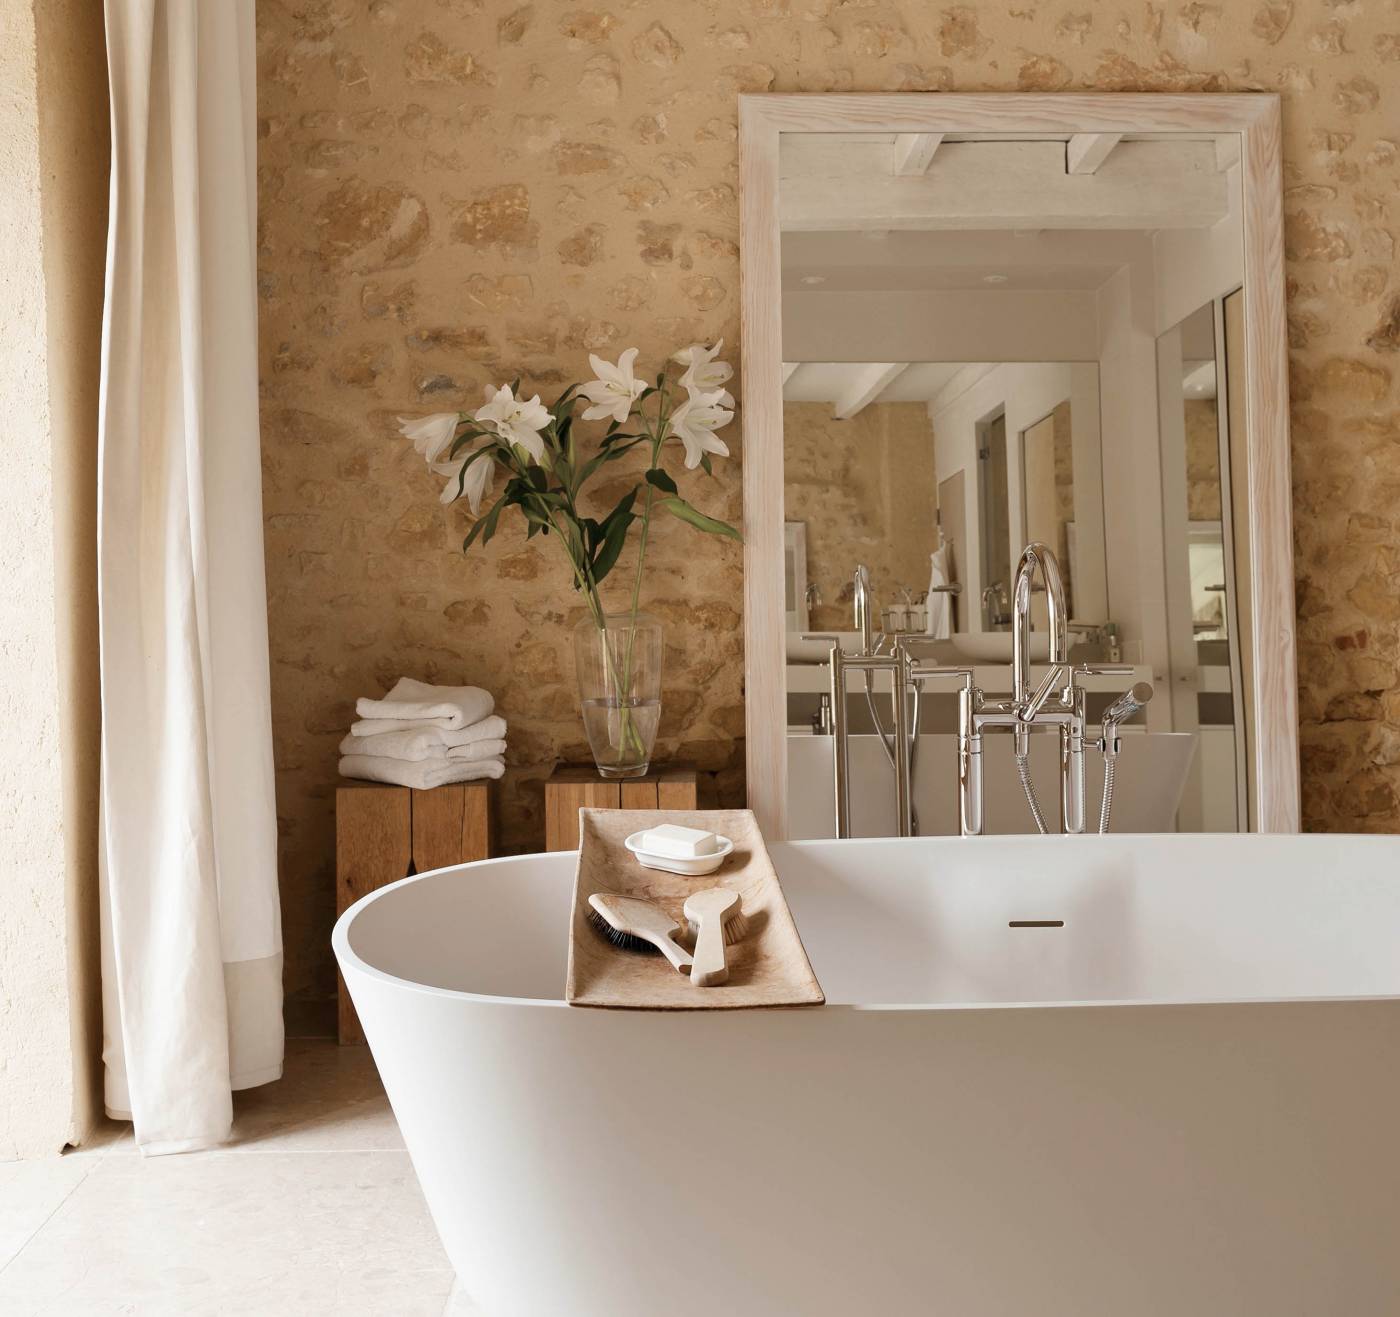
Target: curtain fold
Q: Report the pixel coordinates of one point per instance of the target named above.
(191, 932)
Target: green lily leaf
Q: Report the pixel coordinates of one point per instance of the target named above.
(611, 548)
(678, 507)
(661, 480)
(589, 467)
(485, 525)
(463, 439)
(623, 508)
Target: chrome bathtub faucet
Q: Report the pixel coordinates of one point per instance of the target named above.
(1055, 705)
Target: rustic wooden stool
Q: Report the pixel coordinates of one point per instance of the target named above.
(384, 833)
(572, 786)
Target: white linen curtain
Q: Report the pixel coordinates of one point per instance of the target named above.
(191, 931)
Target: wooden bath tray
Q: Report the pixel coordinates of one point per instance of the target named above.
(768, 967)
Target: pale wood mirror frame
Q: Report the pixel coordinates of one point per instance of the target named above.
(1271, 617)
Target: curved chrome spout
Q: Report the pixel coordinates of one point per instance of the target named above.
(1036, 555)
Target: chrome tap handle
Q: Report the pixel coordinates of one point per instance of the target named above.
(965, 675)
(1058, 672)
(1104, 670)
(1099, 670)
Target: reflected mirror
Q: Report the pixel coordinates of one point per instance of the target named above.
(991, 341)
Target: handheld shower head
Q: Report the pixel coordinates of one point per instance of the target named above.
(1123, 708)
(1127, 704)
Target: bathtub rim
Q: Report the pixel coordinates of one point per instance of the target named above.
(348, 958)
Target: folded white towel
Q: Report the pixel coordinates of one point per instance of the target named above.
(448, 708)
(405, 747)
(420, 742)
(466, 754)
(423, 774)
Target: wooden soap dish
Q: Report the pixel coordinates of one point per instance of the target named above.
(768, 967)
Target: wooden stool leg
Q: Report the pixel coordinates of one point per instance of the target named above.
(478, 824)
(563, 801)
(437, 827)
(373, 846)
(451, 825)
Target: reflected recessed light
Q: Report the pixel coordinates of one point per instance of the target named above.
(995, 278)
(814, 278)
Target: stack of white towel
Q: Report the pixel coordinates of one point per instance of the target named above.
(425, 736)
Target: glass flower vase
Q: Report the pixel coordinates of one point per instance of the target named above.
(619, 684)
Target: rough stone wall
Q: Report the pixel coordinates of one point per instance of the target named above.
(867, 491)
(462, 190)
(1202, 459)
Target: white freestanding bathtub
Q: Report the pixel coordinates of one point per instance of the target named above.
(1184, 1099)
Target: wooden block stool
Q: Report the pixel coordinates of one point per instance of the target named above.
(384, 833)
(572, 786)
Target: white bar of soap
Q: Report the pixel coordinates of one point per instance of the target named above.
(679, 843)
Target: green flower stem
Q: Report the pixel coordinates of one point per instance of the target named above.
(588, 587)
(657, 437)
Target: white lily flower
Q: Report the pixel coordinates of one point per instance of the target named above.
(703, 374)
(614, 390)
(431, 435)
(480, 475)
(695, 421)
(516, 420)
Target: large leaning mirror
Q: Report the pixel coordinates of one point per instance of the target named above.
(1016, 466)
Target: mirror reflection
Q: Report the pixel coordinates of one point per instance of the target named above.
(1012, 587)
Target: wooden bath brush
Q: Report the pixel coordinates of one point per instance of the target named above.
(716, 920)
(637, 925)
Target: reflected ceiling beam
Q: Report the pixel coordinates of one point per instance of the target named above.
(959, 325)
(1085, 152)
(1003, 250)
(913, 153)
(788, 368)
(867, 386)
(1000, 186)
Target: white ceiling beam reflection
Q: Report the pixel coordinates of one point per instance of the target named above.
(868, 385)
(1085, 152)
(788, 368)
(913, 153)
(830, 187)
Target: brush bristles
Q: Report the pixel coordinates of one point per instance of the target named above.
(627, 941)
(735, 926)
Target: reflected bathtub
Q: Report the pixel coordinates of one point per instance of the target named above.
(1070, 1075)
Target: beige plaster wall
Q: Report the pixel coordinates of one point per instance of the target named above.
(867, 492)
(53, 160)
(461, 190)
